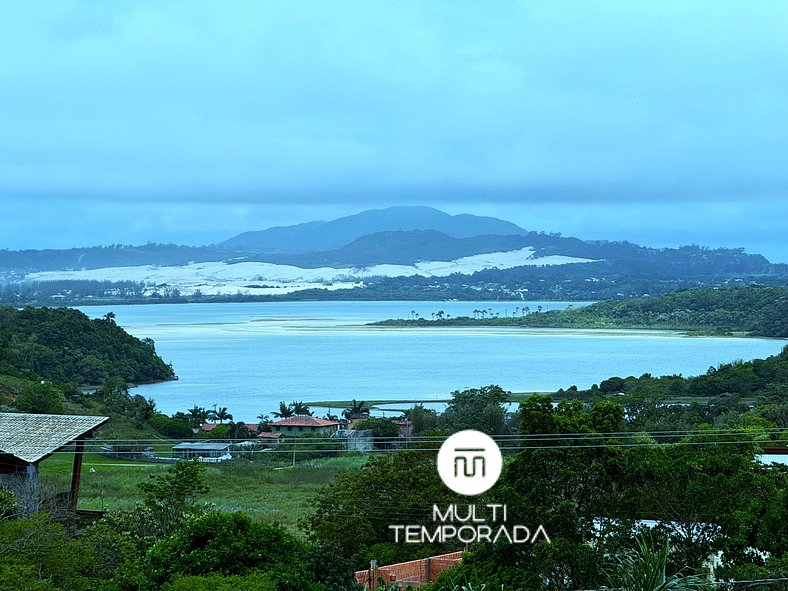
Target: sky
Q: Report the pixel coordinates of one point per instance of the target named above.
(662, 123)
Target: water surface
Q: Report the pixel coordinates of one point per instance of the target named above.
(249, 356)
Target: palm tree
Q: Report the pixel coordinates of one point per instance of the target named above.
(109, 317)
(645, 569)
(356, 410)
(220, 415)
(299, 408)
(237, 430)
(264, 423)
(197, 415)
(285, 411)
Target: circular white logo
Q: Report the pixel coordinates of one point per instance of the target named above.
(469, 462)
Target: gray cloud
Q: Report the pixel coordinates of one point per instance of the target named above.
(170, 106)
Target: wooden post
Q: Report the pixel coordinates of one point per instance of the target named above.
(76, 472)
(373, 574)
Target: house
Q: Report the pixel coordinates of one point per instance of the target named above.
(268, 439)
(204, 452)
(28, 439)
(275, 437)
(204, 427)
(304, 425)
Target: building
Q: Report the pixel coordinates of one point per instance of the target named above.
(28, 439)
(268, 438)
(205, 452)
(304, 425)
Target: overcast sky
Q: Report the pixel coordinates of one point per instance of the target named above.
(663, 123)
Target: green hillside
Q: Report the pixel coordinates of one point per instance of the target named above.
(65, 346)
(754, 310)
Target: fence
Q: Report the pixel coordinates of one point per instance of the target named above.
(414, 572)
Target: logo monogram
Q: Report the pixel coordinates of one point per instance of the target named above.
(462, 460)
(469, 462)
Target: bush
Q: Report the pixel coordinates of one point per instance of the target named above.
(228, 544)
(8, 503)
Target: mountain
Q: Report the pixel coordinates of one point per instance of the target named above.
(400, 247)
(394, 253)
(323, 236)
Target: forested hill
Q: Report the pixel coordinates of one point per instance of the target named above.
(65, 346)
(755, 310)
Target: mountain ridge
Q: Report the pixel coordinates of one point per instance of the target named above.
(334, 234)
(412, 263)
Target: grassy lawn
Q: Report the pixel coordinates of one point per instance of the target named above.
(284, 495)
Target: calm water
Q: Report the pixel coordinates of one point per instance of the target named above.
(249, 356)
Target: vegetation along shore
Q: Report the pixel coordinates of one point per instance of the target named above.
(753, 311)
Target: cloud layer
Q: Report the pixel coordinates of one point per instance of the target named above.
(354, 104)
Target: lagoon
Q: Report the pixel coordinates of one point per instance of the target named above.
(249, 356)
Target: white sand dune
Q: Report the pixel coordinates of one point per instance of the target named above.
(268, 278)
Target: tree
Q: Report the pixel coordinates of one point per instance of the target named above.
(383, 430)
(388, 489)
(299, 408)
(198, 415)
(646, 569)
(237, 430)
(220, 415)
(43, 398)
(356, 410)
(421, 419)
(264, 422)
(481, 409)
(229, 544)
(285, 411)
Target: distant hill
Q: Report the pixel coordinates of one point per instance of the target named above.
(322, 236)
(395, 253)
(401, 247)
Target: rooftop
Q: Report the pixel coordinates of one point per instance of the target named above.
(31, 438)
(304, 421)
(202, 446)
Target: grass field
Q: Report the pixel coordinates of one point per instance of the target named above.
(284, 495)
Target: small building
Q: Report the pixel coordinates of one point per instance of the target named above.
(270, 439)
(28, 439)
(304, 425)
(204, 452)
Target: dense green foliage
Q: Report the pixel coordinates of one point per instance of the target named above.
(763, 380)
(384, 431)
(588, 483)
(169, 541)
(755, 310)
(392, 488)
(63, 345)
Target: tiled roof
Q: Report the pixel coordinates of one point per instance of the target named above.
(269, 435)
(33, 437)
(304, 421)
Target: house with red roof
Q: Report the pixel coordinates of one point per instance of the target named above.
(304, 425)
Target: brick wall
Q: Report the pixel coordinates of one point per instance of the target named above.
(414, 571)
